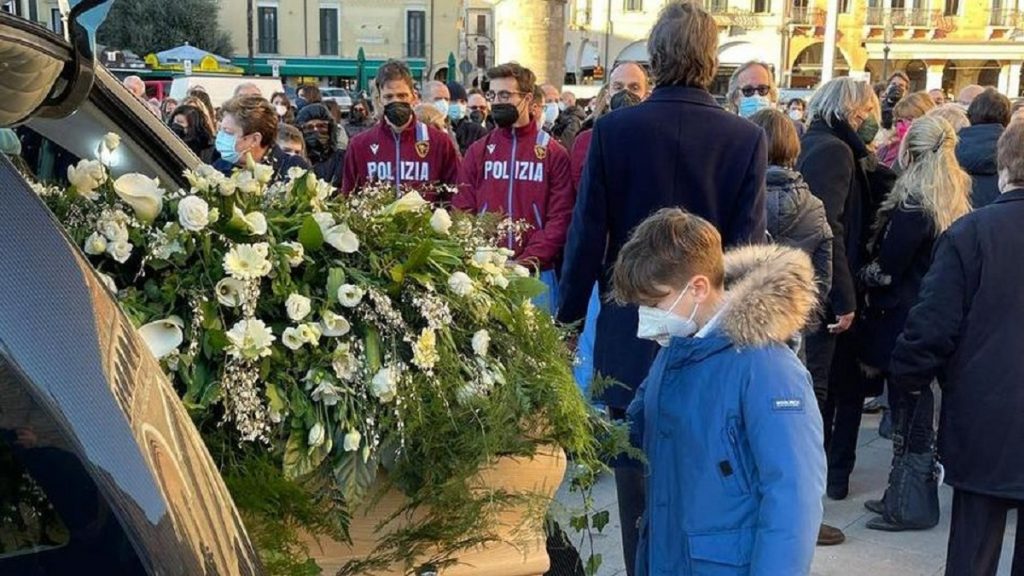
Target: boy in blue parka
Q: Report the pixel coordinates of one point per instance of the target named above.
(726, 417)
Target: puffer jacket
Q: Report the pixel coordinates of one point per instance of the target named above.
(732, 433)
(976, 153)
(797, 218)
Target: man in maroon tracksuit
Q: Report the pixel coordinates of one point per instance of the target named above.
(400, 149)
(522, 172)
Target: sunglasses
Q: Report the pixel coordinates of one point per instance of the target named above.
(761, 90)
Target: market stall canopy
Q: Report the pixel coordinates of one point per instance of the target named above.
(186, 52)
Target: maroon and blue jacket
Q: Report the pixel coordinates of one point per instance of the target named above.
(522, 173)
(419, 157)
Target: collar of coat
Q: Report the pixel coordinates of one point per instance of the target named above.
(683, 94)
(770, 294)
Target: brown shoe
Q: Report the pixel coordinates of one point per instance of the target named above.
(830, 536)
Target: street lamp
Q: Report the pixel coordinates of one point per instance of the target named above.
(886, 40)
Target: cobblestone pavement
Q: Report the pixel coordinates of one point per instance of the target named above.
(866, 552)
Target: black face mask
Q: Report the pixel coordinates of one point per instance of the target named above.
(624, 99)
(180, 131)
(476, 116)
(358, 116)
(398, 113)
(504, 115)
(318, 145)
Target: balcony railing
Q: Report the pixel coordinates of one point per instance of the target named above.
(1006, 18)
(267, 45)
(329, 47)
(905, 17)
(807, 16)
(716, 6)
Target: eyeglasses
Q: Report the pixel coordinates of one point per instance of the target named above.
(761, 90)
(503, 96)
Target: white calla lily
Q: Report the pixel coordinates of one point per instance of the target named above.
(411, 202)
(142, 194)
(163, 336)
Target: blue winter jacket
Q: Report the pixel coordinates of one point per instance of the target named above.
(732, 433)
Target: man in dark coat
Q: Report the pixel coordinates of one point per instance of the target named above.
(989, 115)
(965, 331)
(676, 149)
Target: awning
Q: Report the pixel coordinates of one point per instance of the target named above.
(321, 67)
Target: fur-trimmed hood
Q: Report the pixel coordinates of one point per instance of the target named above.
(770, 294)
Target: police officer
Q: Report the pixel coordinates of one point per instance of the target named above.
(400, 149)
(522, 172)
(319, 132)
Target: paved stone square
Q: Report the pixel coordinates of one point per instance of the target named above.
(865, 552)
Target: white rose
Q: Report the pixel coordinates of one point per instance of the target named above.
(334, 325)
(298, 306)
(481, 342)
(163, 336)
(113, 230)
(441, 222)
(461, 284)
(325, 220)
(342, 239)
(111, 141)
(316, 435)
(520, 271)
(263, 173)
(384, 385)
(352, 440)
(193, 213)
(246, 183)
(142, 194)
(229, 292)
(120, 250)
(292, 339)
(349, 295)
(411, 202)
(86, 177)
(95, 244)
(310, 333)
(297, 253)
(250, 339)
(225, 185)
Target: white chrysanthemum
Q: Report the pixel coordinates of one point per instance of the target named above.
(292, 339)
(342, 238)
(424, 351)
(461, 284)
(297, 252)
(248, 261)
(250, 339)
(298, 306)
(441, 221)
(350, 295)
(384, 385)
(481, 343)
(352, 440)
(193, 213)
(229, 291)
(334, 325)
(95, 244)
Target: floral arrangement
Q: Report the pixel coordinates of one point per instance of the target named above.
(319, 340)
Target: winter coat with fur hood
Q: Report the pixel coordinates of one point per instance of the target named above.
(732, 434)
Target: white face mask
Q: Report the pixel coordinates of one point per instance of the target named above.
(796, 114)
(662, 325)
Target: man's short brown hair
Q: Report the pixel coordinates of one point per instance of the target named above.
(666, 251)
(783, 143)
(254, 115)
(1010, 153)
(394, 70)
(312, 93)
(990, 107)
(683, 46)
(526, 80)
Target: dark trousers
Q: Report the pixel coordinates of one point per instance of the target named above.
(832, 362)
(976, 535)
(630, 487)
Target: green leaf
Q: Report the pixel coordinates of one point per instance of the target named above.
(276, 398)
(580, 523)
(419, 256)
(310, 235)
(526, 288)
(372, 351)
(335, 278)
(354, 476)
(600, 520)
(299, 458)
(397, 273)
(214, 343)
(593, 564)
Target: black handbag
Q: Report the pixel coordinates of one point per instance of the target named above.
(912, 497)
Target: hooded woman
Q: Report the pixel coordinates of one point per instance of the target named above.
(319, 131)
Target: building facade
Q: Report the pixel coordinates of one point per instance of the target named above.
(944, 44)
(44, 12)
(341, 42)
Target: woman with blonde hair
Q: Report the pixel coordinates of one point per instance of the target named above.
(910, 108)
(953, 114)
(931, 194)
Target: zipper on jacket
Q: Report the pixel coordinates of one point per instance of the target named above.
(536, 215)
(511, 183)
(741, 471)
(398, 163)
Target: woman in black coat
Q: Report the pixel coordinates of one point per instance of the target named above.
(832, 164)
(931, 194)
(966, 331)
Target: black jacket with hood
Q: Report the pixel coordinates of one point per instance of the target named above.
(797, 218)
(976, 153)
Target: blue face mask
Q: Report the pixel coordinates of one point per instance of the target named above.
(750, 105)
(550, 113)
(442, 106)
(456, 112)
(225, 145)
